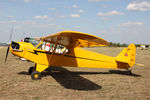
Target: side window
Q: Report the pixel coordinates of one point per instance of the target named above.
(49, 47)
(42, 46)
(61, 49)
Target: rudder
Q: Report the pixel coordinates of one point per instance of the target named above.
(127, 56)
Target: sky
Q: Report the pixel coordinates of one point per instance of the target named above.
(119, 21)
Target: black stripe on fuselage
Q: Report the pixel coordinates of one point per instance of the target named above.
(36, 52)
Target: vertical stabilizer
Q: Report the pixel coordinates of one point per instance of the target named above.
(127, 55)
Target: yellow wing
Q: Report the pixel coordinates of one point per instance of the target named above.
(74, 39)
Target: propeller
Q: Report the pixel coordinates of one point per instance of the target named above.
(9, 44)
(6, 54)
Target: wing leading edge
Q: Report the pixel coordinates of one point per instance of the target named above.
(74, 39)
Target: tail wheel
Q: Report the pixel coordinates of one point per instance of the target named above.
(31, 69)
(36, 75)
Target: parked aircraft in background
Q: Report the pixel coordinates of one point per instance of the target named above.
(144, 47)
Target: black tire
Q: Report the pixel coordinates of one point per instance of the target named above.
(31, 69)
(36, 75)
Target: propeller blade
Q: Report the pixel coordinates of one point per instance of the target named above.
(7, 54)
(11, 32)
(10, 37)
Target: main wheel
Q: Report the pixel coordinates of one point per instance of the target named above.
(31, 69)
(36, 75)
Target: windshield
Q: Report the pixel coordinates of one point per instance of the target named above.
(34, 42)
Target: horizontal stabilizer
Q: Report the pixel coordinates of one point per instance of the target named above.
(141, 65)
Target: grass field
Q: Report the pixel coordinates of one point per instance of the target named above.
(69, 83)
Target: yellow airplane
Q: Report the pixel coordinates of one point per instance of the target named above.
(65, 50)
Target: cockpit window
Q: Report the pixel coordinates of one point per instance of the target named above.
(49, 47)
(34, 42)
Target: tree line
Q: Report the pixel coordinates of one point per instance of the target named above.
(118, 44)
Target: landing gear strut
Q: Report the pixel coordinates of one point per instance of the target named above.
(31, 69)
(35, 72)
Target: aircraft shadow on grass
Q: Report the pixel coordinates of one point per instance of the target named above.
(73, 80)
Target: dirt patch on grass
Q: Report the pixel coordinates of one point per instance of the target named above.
(75, 83)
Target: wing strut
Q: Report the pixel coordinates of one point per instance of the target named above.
(53, 51)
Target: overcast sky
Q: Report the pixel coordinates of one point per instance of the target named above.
(124, 21)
